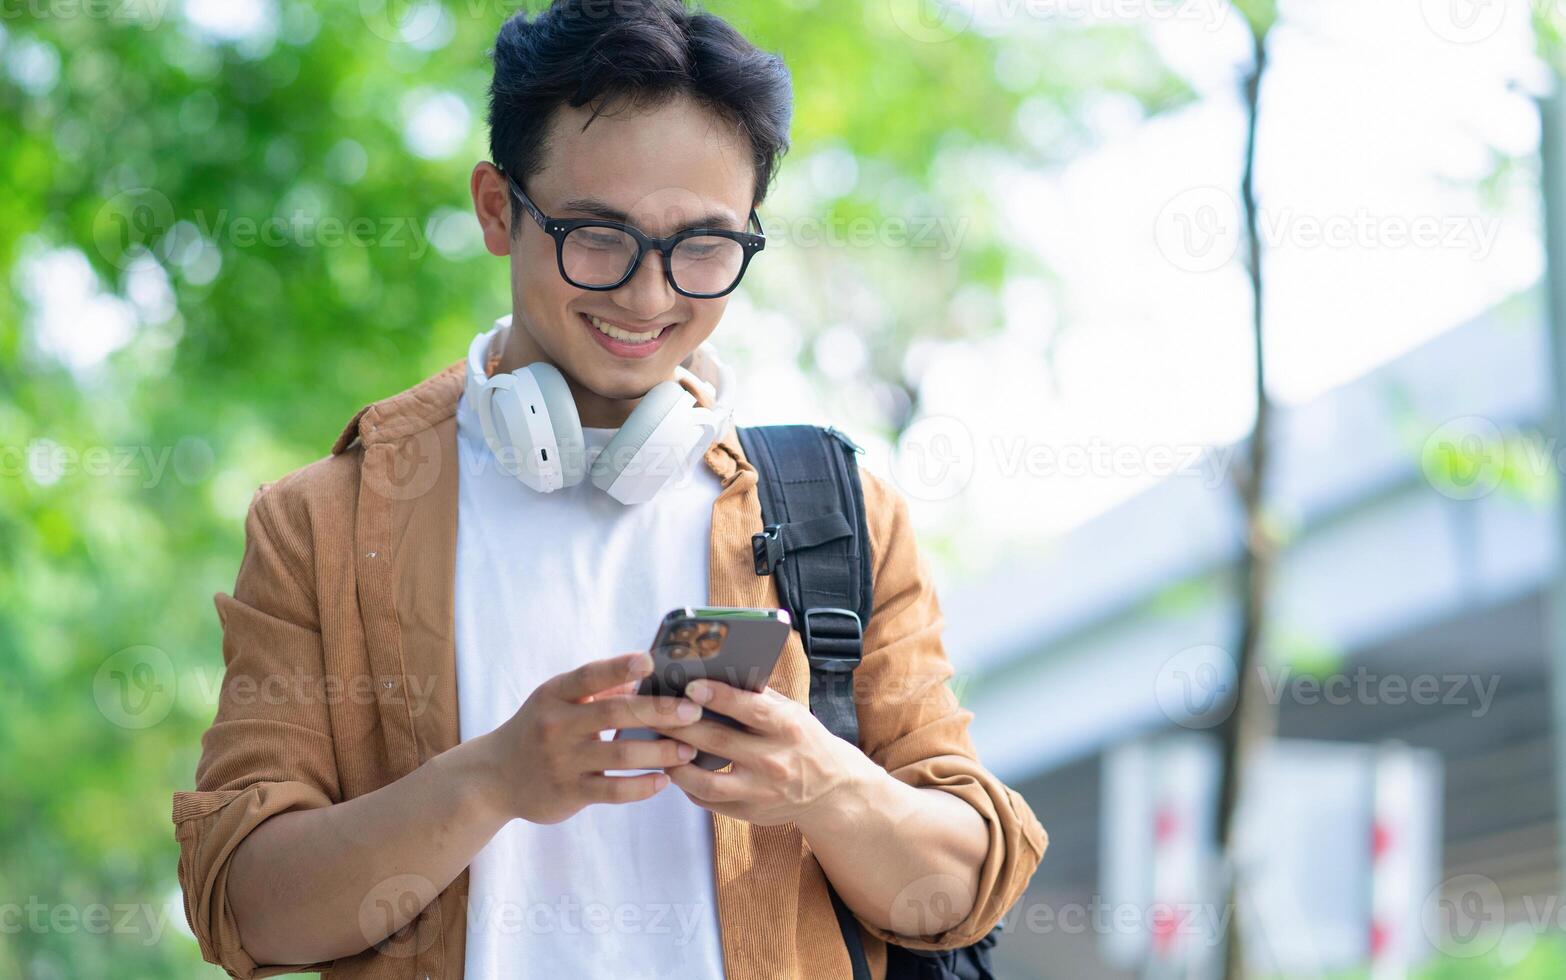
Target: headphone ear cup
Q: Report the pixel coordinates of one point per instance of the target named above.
(623, 450)
(563, 418)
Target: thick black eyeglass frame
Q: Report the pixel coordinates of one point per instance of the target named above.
(559, 228)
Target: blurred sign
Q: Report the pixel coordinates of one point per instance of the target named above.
(1158, 856)
(1340, 844)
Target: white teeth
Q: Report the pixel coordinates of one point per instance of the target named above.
(610, 330)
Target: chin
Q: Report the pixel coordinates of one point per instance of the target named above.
(623, 382)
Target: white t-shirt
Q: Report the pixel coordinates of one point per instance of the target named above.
(545, 583)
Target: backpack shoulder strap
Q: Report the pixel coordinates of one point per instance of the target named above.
(815, 542)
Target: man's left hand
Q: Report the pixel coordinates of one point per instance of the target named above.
(787, 766)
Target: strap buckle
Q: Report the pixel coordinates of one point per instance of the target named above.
(834, 639)
(766, 547)
(842, 437)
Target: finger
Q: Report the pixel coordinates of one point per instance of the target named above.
(759, 711)
(619, 690)
(598, 788)
(657, 754)
(633, 711)
(717, 738)
(598, 676)
(706, 786)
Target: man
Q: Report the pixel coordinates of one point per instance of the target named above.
(422, 804)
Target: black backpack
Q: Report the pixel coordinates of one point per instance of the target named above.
(815, 542)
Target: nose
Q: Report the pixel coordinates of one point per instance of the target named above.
(647, 294)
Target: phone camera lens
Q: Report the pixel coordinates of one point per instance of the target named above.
(710, 640)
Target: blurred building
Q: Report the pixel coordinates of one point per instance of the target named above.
(1396, 567)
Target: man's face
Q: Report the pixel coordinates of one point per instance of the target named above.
(665, 169)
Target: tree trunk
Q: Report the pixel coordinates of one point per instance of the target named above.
(1251, 718)
(1552, 152)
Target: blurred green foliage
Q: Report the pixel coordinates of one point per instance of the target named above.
(1522, 955)
(158, 361)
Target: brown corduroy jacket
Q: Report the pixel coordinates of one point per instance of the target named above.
(342, 610)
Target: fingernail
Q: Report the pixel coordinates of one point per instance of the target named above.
(686, 752)
(687, 711)
(641, 664)
(660, 781)
(698, 691)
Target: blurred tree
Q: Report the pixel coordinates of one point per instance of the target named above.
(1549, 23)
(1251, 717)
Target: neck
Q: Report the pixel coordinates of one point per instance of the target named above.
(595, 410)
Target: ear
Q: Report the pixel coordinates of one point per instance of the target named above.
(492, 204)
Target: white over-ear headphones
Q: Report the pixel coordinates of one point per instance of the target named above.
(531, 424)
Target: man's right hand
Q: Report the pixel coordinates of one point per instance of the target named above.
(548, 759)
(301, 881)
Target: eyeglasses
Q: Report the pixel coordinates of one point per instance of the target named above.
(702, 263)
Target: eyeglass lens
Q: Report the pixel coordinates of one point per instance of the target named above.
(594, 256)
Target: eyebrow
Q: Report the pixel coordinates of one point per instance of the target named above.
(591, 205)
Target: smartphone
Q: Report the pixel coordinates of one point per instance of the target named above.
(733, 644)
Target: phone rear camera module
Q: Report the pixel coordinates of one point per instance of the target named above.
(711, 640)
(677, 651)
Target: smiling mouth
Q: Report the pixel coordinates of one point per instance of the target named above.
(623, 335)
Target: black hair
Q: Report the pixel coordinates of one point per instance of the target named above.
(646, 52)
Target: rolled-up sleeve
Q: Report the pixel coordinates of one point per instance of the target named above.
(269, 749)
(912, 725)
